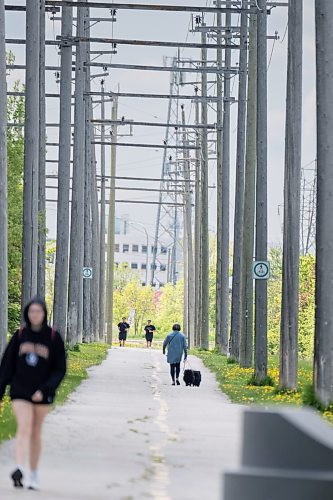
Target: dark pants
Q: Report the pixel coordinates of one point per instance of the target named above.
(174, 368)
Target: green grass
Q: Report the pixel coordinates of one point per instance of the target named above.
(235, 382)
(78, 362)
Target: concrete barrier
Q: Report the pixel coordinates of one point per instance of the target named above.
(287, 454)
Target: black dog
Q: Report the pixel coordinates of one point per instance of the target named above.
(192, 377)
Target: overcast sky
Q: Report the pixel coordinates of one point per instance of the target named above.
(148, 162)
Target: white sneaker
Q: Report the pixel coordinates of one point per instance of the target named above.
(33, 483)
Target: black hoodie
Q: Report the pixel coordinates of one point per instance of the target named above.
(33, 361)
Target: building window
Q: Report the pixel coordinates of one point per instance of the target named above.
(144, 248)
(153, 249)
(143, 266)
(153, 266)
(116, 247)
(164, 250)
(134, 265)
(162, 267)
(135, 248)
(125, 248)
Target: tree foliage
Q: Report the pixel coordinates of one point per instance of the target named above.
(15, 158)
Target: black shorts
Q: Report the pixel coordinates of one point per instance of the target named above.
(122, 335)
(149, 337)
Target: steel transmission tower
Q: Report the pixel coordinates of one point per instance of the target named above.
(308, 209)
(168, 213)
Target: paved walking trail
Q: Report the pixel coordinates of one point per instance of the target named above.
(127, 434)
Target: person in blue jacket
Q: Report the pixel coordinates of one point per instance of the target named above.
(176, 344)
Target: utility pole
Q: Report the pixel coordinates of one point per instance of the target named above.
(225, 197)
(102, 225)
(111, 227)
(204, 209)
(188, 249)
(75, 285)
(292, 202)
(246, 336)
(197, 230)
(219, 181)
(3, 187)
(323, 355)
(237, 278)
(64, 151)
(87, 283)
(42, 156)
(94, 301)
(260, 359)
(31, 155)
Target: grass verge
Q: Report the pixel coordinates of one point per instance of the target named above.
(78, 362)
(234, 382)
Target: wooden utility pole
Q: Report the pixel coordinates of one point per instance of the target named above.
(292, 201)
(3, 187)
(204, 210)
(225, 197)
(94, 300)
(42, 156)
(75, 285)
(197, 229)
(237, 278)
(111, 228)
(64, 151)
(219, 182)
(190, 282)
(87, 283)
(31, 155)
(323, 356)
(102, 225)
(260, 359)
(246, 336)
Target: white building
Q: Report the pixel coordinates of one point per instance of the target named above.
(134, 246)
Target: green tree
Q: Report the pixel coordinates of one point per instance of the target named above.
(170, 307)
(15, 152)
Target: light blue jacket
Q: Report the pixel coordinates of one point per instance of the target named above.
(177, 345)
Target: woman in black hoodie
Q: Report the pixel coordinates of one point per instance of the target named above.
(33, 365)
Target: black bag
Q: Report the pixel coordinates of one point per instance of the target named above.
(192, 377)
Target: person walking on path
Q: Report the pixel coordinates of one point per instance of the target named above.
(149, 329)
(33, 365)
(123, 327)
(177, 346)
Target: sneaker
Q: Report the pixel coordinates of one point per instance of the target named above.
(17, 478)
(178, 383)
(33, 484)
